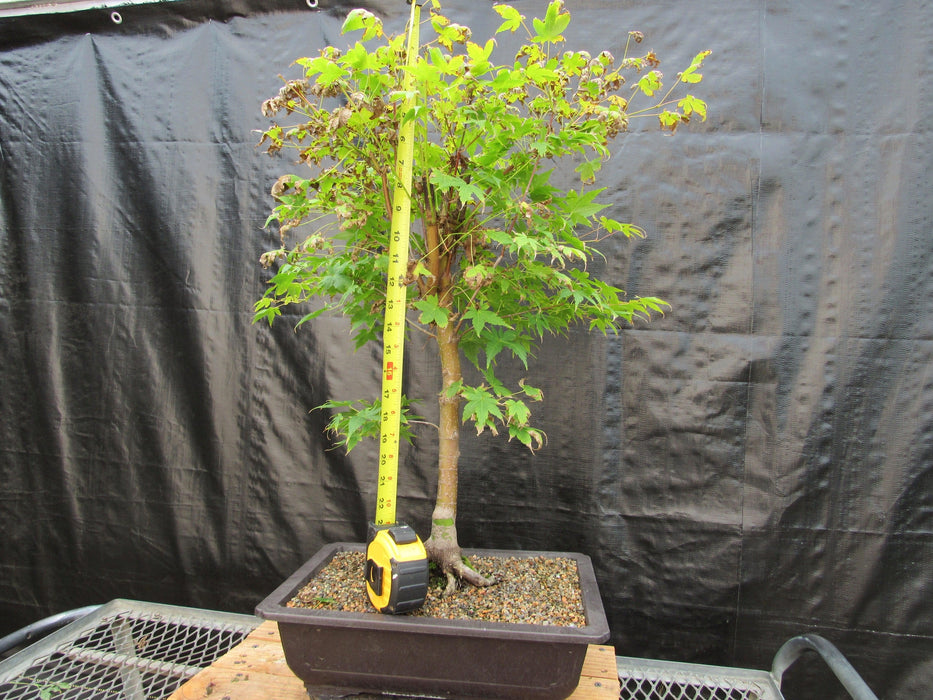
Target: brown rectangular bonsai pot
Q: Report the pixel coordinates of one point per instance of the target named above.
(341, 653)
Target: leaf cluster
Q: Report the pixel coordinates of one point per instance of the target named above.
(499, 249)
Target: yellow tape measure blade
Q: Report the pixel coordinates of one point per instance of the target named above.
(394, 329)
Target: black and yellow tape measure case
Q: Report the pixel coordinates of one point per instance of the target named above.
(396, 568)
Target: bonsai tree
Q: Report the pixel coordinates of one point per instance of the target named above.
(499, 249)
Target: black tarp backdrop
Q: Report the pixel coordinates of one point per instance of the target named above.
(754, 465)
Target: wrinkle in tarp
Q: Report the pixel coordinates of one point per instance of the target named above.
(752, 466)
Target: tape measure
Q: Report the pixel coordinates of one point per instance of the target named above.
(396, 569)
(396, 561)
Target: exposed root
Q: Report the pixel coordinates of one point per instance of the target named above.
(448, 557)
(452, 584)
(470, 575)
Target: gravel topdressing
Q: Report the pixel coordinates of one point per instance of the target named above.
(532, 590)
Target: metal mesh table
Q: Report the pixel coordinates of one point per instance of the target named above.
(146, 651)
(125, 649)
(647, 679)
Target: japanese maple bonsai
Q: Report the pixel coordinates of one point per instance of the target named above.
(499, 251)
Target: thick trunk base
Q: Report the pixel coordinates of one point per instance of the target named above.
(443, 550)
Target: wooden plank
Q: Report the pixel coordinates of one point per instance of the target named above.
(268, 630)
(215, 684)
(256, 669)
(599, 679)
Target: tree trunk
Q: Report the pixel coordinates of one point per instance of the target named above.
(442, 545)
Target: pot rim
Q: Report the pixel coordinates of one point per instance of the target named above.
(595, 631)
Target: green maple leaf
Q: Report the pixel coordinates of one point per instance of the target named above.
(513, 18)
(553, 24)
(465, 191)
(517, 412)
(480, 317)
(690, 75)
(432, 312)
(692, 105)
(479, 406)
(650, 83)
(581, 207)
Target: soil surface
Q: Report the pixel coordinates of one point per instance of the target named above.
(533, 590)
